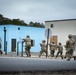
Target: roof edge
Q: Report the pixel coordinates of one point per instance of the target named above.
(61, 20)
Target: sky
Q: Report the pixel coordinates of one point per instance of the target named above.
(38, 10)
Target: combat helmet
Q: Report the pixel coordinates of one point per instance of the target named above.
(27, 36)
(70, 36)
(43, 41)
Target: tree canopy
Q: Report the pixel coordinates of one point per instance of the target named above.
(36, 24)
(4, 20)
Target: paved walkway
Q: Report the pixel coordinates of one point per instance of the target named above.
(14, 54)
(11, 63)
(33, 54)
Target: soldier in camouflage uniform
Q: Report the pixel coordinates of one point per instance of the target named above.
(60, 50)
(43, 47)
(52, 49)
(27, 41)
(0, 46)
(69, 47)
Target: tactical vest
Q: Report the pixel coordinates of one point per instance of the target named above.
(60, 47)
(70, 43)
(28, 42)
(43, 46)
(52, 46)
(0, 45)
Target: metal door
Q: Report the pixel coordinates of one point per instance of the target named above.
(54, 39)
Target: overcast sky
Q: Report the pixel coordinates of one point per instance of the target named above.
(38, 10)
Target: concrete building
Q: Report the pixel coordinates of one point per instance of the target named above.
(16, 33)
(61, 29)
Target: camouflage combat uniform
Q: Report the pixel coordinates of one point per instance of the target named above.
(28, 45)
(0, 46)
(52, 49)
(60, 50)
(70, 47)
(43, 47)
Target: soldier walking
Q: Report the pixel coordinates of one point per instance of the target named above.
(0, 46)
(69, 47)
(43, 47)
(52, 49)
(27, 41)
(60, 50)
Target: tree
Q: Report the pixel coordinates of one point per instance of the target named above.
(1, 16)
(4, 20)
(18, 22)
(36, 24)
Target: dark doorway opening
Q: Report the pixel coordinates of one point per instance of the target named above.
(13, 45)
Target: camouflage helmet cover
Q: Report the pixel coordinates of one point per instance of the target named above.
(27, 36)
(43, 40)
(70, 36)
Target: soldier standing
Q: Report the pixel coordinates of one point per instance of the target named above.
(43, 47)
(69, 47)
(60, 50)
(0, 46)
(52, 49)
(27, 40)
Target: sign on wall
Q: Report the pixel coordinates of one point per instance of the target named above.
(48, 33)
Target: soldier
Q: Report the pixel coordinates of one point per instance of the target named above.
(27, 40)
(43, 47)
(69, 47)
(0, 46)
(60, 50)
(52, 49)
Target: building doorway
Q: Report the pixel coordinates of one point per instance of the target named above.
(54, 39)
(13, 45)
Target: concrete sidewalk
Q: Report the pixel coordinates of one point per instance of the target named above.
(14, 54)
(12, 64)
(33, 55)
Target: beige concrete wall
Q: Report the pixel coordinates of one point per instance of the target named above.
(62, 29)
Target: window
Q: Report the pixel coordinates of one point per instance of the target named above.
(18, 28)
(52, 26)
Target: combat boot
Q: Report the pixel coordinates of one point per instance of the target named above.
(68, 59)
